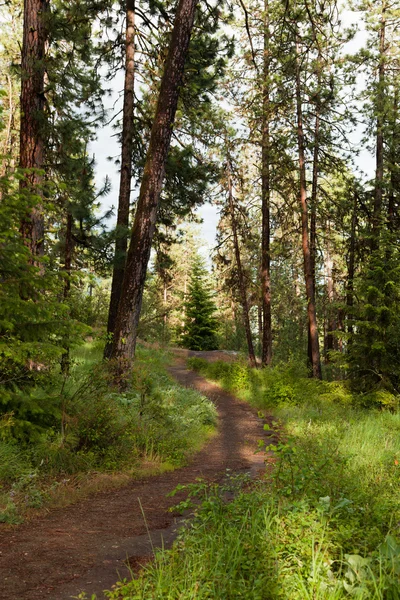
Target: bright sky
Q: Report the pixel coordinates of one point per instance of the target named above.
(107, 145)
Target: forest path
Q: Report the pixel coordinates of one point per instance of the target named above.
(84, 547)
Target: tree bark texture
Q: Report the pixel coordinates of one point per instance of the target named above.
(351, 268)
(122, 229)
(380, 101)
(266, 357)
(311, 312)
(125, 333)
(314, 199)
(32, 117)
(68, 247)
(394, 167)
(330, 296)
(242, 284)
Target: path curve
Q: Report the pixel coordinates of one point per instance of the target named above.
(84, 546)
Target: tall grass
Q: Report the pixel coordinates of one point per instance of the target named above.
(97, 428)
(324, 523)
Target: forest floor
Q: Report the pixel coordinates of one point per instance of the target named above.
(86, 546)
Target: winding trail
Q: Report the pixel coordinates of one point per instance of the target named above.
(84, 547)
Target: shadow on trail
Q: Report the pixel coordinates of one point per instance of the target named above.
(84, 547)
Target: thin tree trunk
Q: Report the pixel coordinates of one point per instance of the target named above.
(266, 357)
(351, 269)
(165, 306)
(8, 137)
(394, 175)
(378, 195)
(122, 229)
(32, 112)
(125, 333)
(330, 293)
(68, 245)
(242, 284)
(314, 199)
(311, 312)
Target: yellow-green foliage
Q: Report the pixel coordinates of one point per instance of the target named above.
(323, 525)
(96, 427)
(287, 384)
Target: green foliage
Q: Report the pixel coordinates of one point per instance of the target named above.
(200, 324)
(322, 525)
(233, 375)
(89, 303)
(288, 384)
(374, 346)
(30, 314)
(86, 425)
(32, 409)
(13, 461)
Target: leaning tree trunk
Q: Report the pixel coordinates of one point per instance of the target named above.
(242, 284)
(122, 229)
(311, 312)
(127, 320)
(32, 115)
(266, 357)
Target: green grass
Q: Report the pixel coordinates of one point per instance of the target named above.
(324, 524)
(93, 427)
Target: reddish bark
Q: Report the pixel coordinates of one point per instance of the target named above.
(125, 333)
(314, 198)
(330, 293)
(266, 358)
(32, 116)
(311, 312)
(68, 247)
(122, 229)
(242, 284)
(351, 269)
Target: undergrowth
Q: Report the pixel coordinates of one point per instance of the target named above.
(324, 523)
(96, 429)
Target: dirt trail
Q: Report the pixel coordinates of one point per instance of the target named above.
(84, 546)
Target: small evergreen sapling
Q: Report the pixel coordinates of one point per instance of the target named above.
(200, 323)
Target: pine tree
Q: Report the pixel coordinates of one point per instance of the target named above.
(200, 324)
(125, 333)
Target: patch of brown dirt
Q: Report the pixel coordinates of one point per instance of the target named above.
(85, 546)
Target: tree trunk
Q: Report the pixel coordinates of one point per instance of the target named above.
(311, 313)
(266, 357)
(394, 168)
(260, 323)
(380, 101)
(125, 333)
(330, 294)
(8, 144)
(242, 284)
(351, 269)
(122, 229)
(32, 115)
(165, 306)
(314, 199)
(68, 245)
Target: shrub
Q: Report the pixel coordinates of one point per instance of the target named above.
(382, 399)
(13, 461)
